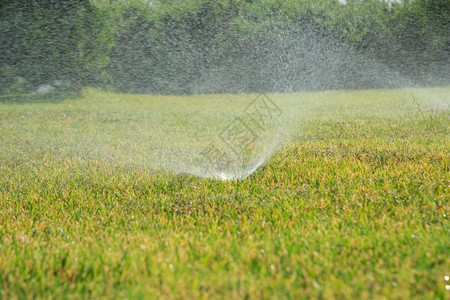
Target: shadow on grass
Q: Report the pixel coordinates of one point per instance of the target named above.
(39, 97)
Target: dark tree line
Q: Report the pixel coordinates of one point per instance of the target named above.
(209, 46)
(52, 40)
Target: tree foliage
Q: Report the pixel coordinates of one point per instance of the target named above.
(204, 46)
(52, 40)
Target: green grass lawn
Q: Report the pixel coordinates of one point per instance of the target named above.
(96, 199)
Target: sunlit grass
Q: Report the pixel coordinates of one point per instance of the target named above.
(354, 205)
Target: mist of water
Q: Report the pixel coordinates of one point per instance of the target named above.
(218, 134)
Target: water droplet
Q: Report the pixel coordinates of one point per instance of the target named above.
(394, 284)
(447, 287)
(446, 278)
